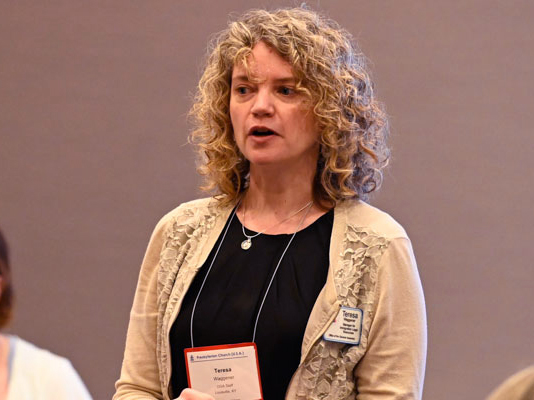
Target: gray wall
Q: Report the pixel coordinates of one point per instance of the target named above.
(93, 99)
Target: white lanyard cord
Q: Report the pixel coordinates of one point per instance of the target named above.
(270, 282)
(207, 273)
(276, 270)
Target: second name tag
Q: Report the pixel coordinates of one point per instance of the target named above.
(226, 372)
(347, 327)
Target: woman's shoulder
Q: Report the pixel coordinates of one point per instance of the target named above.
(193, 212)
(192, 206)
(363, 216)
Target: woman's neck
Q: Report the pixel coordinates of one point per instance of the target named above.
(275, 197)
(277, 191)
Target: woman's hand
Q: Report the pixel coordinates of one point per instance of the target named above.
(190, 394)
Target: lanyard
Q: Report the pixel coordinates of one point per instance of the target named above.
(270, 282)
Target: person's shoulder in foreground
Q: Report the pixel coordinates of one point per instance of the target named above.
(39, 374)
(519, 386)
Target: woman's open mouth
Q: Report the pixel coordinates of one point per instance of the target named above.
(261, 131)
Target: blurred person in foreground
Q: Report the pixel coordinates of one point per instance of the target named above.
(519, 386)
(26, 371)
(286, 254)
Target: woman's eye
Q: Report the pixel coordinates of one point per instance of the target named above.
(286, 91)
(242, 90)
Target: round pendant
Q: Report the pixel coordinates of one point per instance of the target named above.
(245, 244)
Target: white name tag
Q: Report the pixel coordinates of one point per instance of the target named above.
(347, 327)
(226, 372)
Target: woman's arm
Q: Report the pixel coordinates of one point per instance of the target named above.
(393, 367)
(140, 374)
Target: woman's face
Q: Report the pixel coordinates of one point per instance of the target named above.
(273, 124)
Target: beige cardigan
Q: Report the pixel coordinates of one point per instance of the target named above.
(372, 267)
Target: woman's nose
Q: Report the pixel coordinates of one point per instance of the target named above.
(263, 104)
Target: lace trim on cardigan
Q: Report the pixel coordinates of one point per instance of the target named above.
(177, 268)
(328, 371)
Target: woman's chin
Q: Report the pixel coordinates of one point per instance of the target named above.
(265, 160)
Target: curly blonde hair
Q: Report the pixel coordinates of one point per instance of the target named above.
(330, 69)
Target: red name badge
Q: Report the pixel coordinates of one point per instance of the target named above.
(226, 372)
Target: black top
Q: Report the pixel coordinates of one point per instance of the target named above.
(227, 307)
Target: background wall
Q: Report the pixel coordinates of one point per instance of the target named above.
(93, 100)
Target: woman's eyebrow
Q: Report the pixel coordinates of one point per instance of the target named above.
(288, 80)
(245, 78)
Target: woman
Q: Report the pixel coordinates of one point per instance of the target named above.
(292, 140)
(26, 371)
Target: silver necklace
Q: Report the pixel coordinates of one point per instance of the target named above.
(270, 282)
(247, 243)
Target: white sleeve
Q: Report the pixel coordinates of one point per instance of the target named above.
(393, 366)
(38, 374)
(62, 382)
